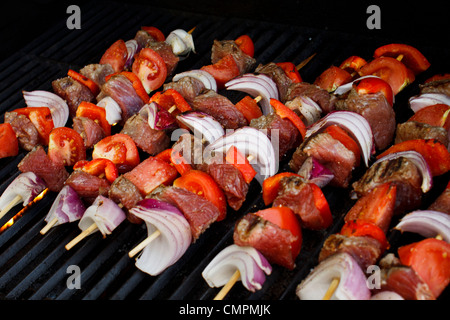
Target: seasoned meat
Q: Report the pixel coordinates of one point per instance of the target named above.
(320, 96)
(124, 192)
(147, 139)
(121, 90)
(365, 250)
(225, 47)
(191, 149)
(220, 108)
(26, 132)
(165, 51)
(231, 181)
(143, 38)
(402, 173)
(329, 152)
(278, 75)
(439, 86)
(38, 161)
(198, 211)
(89, 130)
(73, 92)
(411, 130)
(442, 203)
(277, 128)
(188, 87)
(97, 72)
(269, 239)
(87, 185)
(376, 110)
(299, 197)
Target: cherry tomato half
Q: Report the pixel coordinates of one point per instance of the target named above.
(66, 146)
(151, 69)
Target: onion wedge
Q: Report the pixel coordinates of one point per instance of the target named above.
(205, 77)
(181, 41)
(252, 266)
(202, 125)
(428, 99)
(113, 110)
(427, 223)
(58, 106)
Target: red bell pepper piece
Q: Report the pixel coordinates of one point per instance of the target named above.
(96, 113)
(235, 158)
(99, 167)
(95, 89)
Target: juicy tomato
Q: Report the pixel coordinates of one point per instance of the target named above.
(434, 115)
(245, 43)
(204, 185)
(286, 219)
(285, 112)
(376, 207)
(291, 71)
(235, 158)
(352, 64)
(332, 78)
(66, 146)
(8, 141)
(361, 228)
(410, 56)
(223, 70)
(171, 100)
(434, 152)
(249, 108)
(96, 113)
(116, 55)
(155, 33)
(374, 85)
(321, 204)
(95, 89)
(120, 149)
(390, 70)
(271, 186)
(98, 167)
(41, 117)
(430, 259)
(341, 135)
(137, 85)
(176, 159)
(151, 69)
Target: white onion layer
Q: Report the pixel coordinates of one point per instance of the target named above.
(113, 110)
(419, 102)
(202, 125)
(181, 42)
(427, 223)
(205, 77)
(58, 106)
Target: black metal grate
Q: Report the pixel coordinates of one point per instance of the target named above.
(34, 267)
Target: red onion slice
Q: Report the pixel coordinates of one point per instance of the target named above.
(315, 172)
(105, 213)
(27, 185)
(419, 161)
(67, 207)
(132, 48)
(58, 106)
(427, 223)
(173, 241)
(113, 110)
(352, 280)
(205, 77)
(250, 142)
(356, 125)
(387, 295)
(202, 125)
(256, 85)
(251, 264)
(428, 99)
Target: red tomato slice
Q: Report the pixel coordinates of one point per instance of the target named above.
(410, 56)
(286, 219)
(9, 145)
(96, 113)
(374, 85)
(98, 167)
(360, 228)
(41, 117)
(430, 259)
(66, 146)
(235, 158)
(434, 115)
(291, 71)
(249, 108)
(352, 64)
(245, 43)
(120, 149)
(155, 33)
(116, 55)
(151, 69)
(175, 159)
(204, 185)
(223, 70)
(332, 78)
(271, 186)
(341, 135)
(390, 70)
(285, 112)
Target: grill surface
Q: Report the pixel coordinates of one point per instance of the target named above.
(34, 267)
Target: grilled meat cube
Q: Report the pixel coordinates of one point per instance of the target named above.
(73, 92)
(89, 130)
(438, 86)
(278, 75)
(143, 38)
(188, 87)
(411, 130)
(124, 192)
(165, 51)
(87, 185)
(442, 203)
(97, 72)
(320, 96)
(25, 131)
(228, 47)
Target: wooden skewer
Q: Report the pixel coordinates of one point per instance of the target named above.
(144, 243)
(227, 287)
(10, 205)
(305, 62)
(331, 289)
(400, 57)
(81, 236)
(192, 30)
(49, 225)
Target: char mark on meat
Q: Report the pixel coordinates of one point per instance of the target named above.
(411, 130)
(439, 86)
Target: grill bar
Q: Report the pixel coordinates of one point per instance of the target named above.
(35, 267)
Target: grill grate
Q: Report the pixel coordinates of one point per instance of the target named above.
(34, 267)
